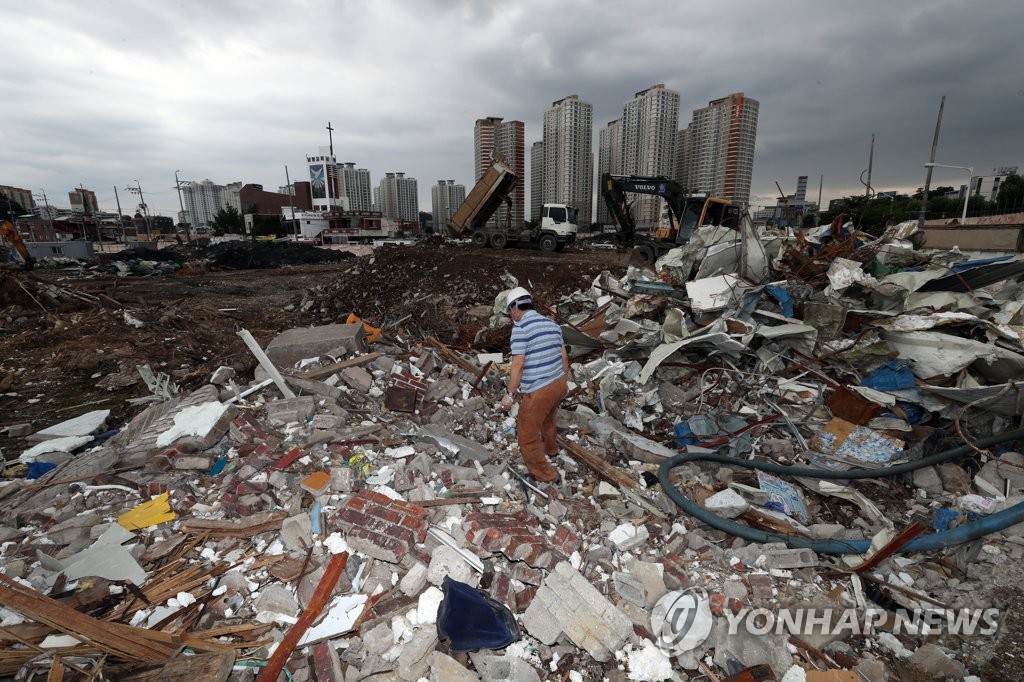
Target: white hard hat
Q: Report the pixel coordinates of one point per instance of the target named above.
(518, 295)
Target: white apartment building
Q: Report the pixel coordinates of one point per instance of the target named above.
(355, 185)
(445, 199)
(650, 125)
(568, 155)
(202, 201)
(398, 198)
(609, 160)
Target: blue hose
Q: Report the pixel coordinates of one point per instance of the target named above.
(965, 533)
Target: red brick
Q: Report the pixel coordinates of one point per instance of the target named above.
(373, 496)
(524, 597)
(389, 515)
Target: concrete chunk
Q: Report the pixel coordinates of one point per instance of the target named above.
(287, 410)
(82, 425)
(293, 345)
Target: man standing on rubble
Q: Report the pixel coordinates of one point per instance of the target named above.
(540, 367)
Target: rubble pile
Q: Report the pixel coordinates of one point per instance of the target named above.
(433, 289)
(757, 427)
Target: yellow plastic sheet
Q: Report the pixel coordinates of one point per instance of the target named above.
(148, 514)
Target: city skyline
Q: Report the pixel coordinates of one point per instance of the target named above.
(106, 105)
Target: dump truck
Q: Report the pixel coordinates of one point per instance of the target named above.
(555, 229)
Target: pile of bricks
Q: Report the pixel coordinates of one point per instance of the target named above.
(381, 527)
(519, 537)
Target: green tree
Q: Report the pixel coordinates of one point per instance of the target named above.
(228, 221)
(266, 225)
(1011, 194)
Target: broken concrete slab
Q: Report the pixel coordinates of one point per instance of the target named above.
(568, 604)
(292, 345)
(86, 424)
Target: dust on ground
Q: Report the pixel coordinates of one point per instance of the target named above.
(72, 338)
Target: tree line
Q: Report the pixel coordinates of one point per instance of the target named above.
(874, 214)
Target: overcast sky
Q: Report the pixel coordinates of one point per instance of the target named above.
(106, 93)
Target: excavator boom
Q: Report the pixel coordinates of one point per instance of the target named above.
(12, 235)
(688, 211)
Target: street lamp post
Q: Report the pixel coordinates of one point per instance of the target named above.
(967, 191)
(177, 185)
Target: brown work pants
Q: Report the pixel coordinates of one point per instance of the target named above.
(535, 428)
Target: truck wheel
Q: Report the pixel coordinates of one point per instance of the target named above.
(480, 239)
(548, 242)
(646, 253)
(498, 240)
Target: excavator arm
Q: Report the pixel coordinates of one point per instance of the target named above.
(688, 212)
(11, 233)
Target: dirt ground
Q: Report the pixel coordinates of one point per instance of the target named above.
(71, 339)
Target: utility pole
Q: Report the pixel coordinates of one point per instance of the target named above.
(931, 160)
(291, 200)
(821, 183)
(871, 162)
(177, 185)
(49, 214)
(120, 218)
(142, 203)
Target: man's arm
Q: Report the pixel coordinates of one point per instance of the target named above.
(565, 361)
(516, 373)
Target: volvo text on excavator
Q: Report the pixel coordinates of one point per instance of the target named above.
(687, 212)
(9, 232)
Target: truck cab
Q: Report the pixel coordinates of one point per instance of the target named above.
(560, 222)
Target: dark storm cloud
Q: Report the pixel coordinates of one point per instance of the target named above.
(103, 93)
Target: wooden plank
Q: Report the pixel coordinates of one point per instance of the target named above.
(328, 370)
(607, 471)
(56, 670)
(316, 604)
(122, 641)
(260, 522)
(206, 667)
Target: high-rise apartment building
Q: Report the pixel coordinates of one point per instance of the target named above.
(398, 197)
(355, 187)
(609, 160)
(493, 135)
(445, 197)
(722, 137)
(202, 201)
(569, 156)
(650, 125)
(536, 179)
(684, 151)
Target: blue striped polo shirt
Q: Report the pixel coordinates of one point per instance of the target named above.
(540, 340)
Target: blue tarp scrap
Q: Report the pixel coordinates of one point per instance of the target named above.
(471, 620)
(894, 375)
(783, 298)
(947, 517)
(37, 469)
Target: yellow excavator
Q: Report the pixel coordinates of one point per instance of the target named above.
(9, 232)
